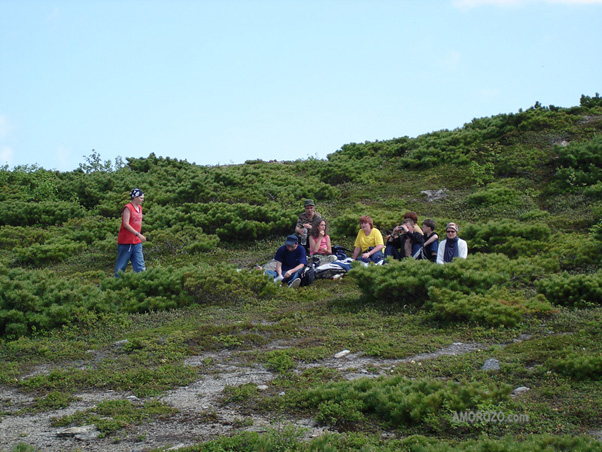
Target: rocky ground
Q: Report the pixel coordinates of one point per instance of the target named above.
(191, 424)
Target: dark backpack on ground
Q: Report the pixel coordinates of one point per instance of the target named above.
(307, 275)
(340, 252)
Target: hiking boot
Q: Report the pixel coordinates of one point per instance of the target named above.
(295, 283)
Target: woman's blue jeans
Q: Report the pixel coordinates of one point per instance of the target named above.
(376, 257)
(127, 253)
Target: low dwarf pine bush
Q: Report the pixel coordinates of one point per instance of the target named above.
(408, 281)
(181, 239)
(54, 250)
(580, 366)
(495, 195)
(496, 307)
(37, 300)
(508, 237)
(572, 290)
(397, 401)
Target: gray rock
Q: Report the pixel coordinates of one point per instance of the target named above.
(342, 354)
(520, 390)
(434, 195)
(491, 364)
(84, 433)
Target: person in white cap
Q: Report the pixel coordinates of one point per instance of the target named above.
(130, 239)
(452, 246)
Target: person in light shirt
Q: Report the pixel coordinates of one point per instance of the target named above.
(452, 246)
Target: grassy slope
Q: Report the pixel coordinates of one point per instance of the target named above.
(381, 179)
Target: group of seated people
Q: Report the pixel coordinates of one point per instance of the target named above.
(406, 240)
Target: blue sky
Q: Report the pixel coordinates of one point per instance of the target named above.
(225, 81)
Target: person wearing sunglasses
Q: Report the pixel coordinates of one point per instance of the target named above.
(452, 246)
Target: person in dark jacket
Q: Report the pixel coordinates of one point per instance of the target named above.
(405, 241)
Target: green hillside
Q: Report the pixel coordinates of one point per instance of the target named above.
(525, 188)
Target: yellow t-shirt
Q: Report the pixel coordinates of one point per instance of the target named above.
(363, 241)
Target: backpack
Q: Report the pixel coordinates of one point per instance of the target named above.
(340, 252)
(307, 275)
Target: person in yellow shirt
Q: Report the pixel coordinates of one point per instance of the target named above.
(368, 243)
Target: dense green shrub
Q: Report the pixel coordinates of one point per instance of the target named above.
(158, 288)
(495, 307)
(576, 252)
(529, 443)
(572, 290)
(452, 291)
(181, 239)
(579, 164)
(581, 366)
(164, 288)
(522, 160)
(397, 401)
(291, 440)
(508, 237)
(53, 250)
(408, 281)
(230, 222)
(14, 236)
(224, 282)
(44, 213)
(37, 300)
(361, 151)
(90, 229)
(254, 184)
(590, 102)
(495, 195)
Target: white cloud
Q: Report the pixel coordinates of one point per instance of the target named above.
(466, 4)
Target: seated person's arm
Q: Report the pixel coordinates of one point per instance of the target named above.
(299, 228)
(431, 239)
(356, 252)
(328, 246)
(462, 250)
(418, 238)
(279, 268)
(293, 270)
(314, 244)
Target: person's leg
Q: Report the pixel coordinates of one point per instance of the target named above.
(377, 257)
(138, 258)
(294, 276)
(390, 250)
(124, 254)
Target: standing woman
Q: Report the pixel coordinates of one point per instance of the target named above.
(130, 239)
(368, 243)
